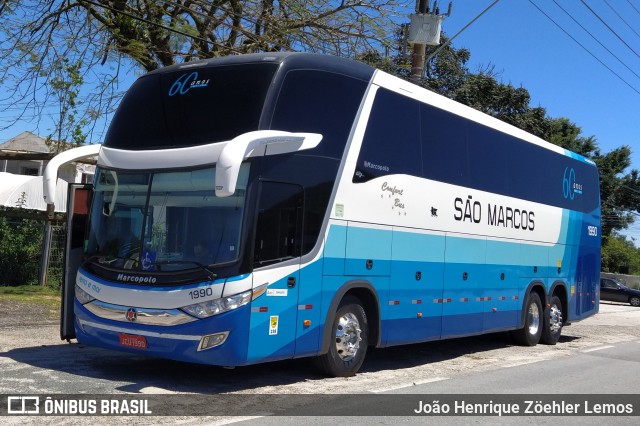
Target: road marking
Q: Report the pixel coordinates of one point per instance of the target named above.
(408, 385)
(152, 390)
(234, 420)
(599, 348)
(519, 363)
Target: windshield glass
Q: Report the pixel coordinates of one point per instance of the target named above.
(164, 221)
(191, 107)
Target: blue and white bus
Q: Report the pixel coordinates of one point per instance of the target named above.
(262, 207)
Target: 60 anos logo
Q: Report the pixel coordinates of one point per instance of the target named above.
(186, 82)
(569, 185)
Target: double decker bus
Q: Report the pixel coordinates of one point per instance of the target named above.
(269, 206)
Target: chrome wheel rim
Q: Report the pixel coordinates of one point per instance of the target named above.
(348, 336)
(533, 318)
(555, 319)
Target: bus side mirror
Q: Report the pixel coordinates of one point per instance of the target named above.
(248, 145)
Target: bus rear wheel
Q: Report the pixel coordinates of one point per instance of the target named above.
(350, 337)
(553, 321)
(530, 334)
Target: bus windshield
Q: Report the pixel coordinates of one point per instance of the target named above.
(164, 221)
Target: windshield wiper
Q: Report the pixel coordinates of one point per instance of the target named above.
(101, 259)
(279, 259)
(210, 274)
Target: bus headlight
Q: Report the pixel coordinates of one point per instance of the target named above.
(218, 306)
(82, 296)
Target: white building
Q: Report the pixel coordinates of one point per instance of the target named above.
(27, 155)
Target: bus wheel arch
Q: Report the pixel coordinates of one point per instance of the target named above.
(353, 323)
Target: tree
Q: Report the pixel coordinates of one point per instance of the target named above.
(619, 255)
(107, 37)
(505, 102)
(65, 85)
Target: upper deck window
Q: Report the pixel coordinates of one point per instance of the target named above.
(320, 102)
(191, 107)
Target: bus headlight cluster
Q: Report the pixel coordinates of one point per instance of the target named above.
(218, 306)
(82, 296)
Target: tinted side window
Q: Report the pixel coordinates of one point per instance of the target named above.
(487, 158)
(391, 143)
(319, 102)
(279, 224)
(316, 174)
(462, 152)
(444, 146)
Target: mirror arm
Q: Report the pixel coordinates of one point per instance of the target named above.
(50, 175)
(247, 144)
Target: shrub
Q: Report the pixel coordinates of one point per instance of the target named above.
(20, 251)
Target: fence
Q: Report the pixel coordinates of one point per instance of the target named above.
(21, 235)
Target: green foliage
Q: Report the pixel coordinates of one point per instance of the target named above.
(508, 103)
(20, 251)
(619, 255)
(567, 135)
(65, 84)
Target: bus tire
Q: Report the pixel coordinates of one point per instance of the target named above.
(553, 321)
(530, 334)
(350, 338)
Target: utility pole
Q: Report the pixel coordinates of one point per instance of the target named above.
(424, 30)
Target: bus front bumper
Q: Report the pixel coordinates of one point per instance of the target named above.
(218, 340)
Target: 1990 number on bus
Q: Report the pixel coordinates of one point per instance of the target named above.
(201, 292)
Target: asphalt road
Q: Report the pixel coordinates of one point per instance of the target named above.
(593, 356)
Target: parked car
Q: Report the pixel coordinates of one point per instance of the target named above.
(614, 291)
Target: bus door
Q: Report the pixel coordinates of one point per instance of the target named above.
(277, 249)
(78, 203)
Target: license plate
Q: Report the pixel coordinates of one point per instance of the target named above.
(133, 341)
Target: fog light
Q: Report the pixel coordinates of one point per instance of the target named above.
(212, 340)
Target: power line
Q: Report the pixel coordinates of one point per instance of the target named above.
(596, 39)
(585, 49)
(621, 18)
(610, 29)
(442, 46)
(634, 8)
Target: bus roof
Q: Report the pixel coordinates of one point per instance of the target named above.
(288, 60)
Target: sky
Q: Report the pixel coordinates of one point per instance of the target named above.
(529, 50)
(596, 90)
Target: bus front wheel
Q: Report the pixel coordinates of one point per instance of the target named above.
(350, 337)
(530, 334)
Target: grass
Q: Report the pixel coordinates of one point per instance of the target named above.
(38, 295)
